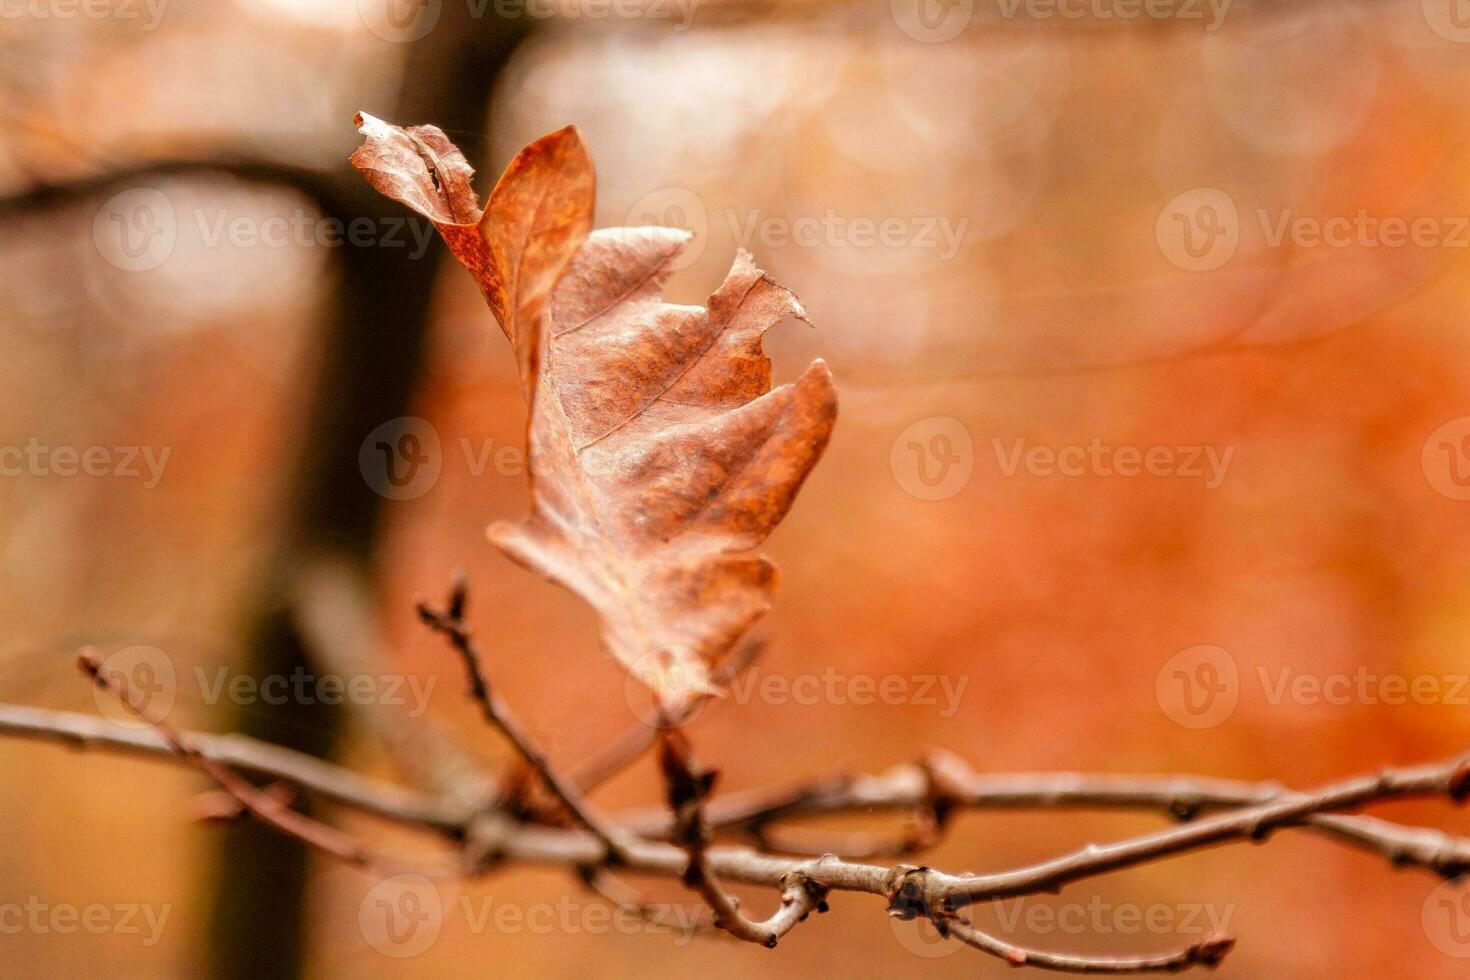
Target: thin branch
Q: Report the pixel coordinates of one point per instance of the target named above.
(1254, 823)
(333, 609)
(1184, 798)
(908, 890)
(688, 785)
(82, 731)
(1208, 952)
(902, 787)
(924, 889)
(605, 885)
(628, 747)
(450, 623)
(266, 806)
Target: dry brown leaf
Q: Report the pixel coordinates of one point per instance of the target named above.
(659, 454)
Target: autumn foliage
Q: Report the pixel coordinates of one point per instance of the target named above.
(659, 453)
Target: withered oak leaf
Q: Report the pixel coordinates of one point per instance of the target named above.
(659, 455)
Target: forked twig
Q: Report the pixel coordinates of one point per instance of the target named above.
(451, 624)
(267, 806)
(1207, 952)
(1246, 813)
(688, 785)
(639, 737)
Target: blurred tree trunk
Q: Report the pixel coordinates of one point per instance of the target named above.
(369, 360)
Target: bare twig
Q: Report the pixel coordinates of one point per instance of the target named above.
(1208, 952)
(628, 747)
(1183, 798)
(603, 883)
(266, 806)
(1254, 811)
(242, 754)
(450, 623)
(688, 785)
(333, 608)
(898, 789)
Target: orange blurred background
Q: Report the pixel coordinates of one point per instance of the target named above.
(1103, 234)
